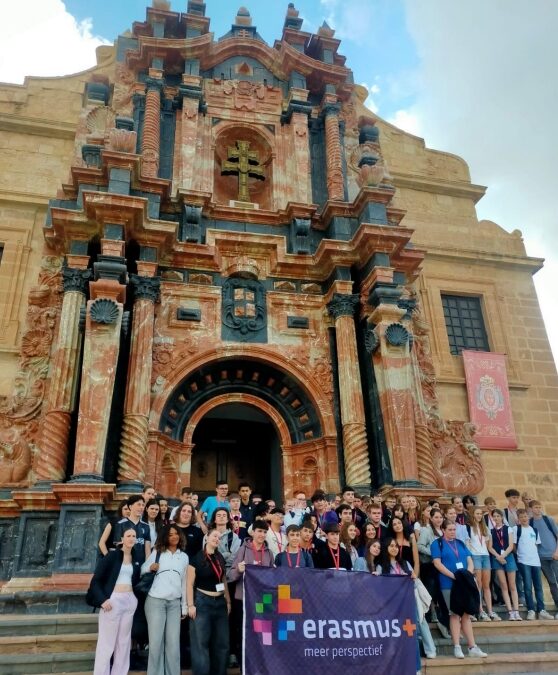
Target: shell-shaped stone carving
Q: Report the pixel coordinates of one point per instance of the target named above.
(397, 335)
(122, 140)
(99, 120)
(104, 311)
(371, 341)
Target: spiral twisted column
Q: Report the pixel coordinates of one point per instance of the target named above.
(55, 430)
(151, 139)
(133, 441)
(355, 447)
(335, 182)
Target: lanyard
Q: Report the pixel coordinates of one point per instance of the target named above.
(289, 558)
(336, 558)
(461, 518)
(491, 521)
(216, 567)
(455, 548)
(260, 551)
(397, 567)
(500, 536)
(278, 540)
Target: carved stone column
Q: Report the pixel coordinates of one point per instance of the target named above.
(299, 125)
(392, 367)
(133, 443)
(190, 99)
(334, 159)
(355, 447)
(51, 464)
(151, 139)
(100, 357)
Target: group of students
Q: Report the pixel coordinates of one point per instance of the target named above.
(198, 556)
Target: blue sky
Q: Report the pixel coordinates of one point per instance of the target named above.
(475, 78)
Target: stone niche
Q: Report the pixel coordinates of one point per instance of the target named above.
(226, 187)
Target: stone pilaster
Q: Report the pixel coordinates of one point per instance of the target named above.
(392, 367)
(190, 95)
(151, 139)
(335, 183)
(133, 444)
(51, 464)
(355, 447)
(100, 357)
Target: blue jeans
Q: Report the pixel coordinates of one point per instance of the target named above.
(532, 576)
(163, 621)
(209, 635)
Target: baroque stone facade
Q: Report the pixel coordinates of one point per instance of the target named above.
(209, 271)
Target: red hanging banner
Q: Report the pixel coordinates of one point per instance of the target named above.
(489, 400)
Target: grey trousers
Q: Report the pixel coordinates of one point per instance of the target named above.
(550, 571)
(163, 621)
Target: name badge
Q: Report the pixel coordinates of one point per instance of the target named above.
(219, 588)
(241, 523)
(459, 566)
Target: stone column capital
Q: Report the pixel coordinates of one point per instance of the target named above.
(75, 279)
(154, 84)
(330, 109)
(342, 305)
(145, 288)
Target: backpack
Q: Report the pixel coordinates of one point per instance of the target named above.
(548, 524)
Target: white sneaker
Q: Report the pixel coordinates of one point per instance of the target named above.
(483, 616)
(475, 651)
(517, 616)
(545, 615)
(494, 617)
(458, 652)
(473, 618)
(531, 616)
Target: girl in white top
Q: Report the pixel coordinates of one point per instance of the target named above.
(166, 601)
(477, 543)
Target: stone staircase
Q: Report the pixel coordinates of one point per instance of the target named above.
(527, 647)
(65, 643)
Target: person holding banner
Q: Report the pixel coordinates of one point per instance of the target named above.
(209, 606)
(369, 562)
(332, 555)
(392, 563)
(450, 556)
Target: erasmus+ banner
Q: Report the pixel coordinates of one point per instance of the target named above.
(326, 621)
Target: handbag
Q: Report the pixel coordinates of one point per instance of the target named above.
(143, 586)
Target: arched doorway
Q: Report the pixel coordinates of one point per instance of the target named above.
(236, 442)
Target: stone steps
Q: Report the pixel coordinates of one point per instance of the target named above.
(48, 624)
(30, 664)
(499, 663)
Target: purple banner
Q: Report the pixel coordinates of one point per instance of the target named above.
(324, 621)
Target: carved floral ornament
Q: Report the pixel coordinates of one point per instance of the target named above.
(343, 305)
(146, 288)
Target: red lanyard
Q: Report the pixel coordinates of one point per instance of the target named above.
(289, 558)
(492, 521)
(454, 549)
(500, 537)
(261, 556)
(279, 540)
(216, 567)
(461, 518)
(336, 558)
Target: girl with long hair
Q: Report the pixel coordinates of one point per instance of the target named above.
(407, 543)
(106, 542)
(479, 538)
(209, 605)
(111, 590)
(368, 535)
(166, 601)
(152, 516)
(185, 518)
(349, 539)
(414, 514)
(369, 561)
(500, 546)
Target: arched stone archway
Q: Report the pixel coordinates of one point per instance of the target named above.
(308, 456)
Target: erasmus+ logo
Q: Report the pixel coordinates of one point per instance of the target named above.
(285, 605)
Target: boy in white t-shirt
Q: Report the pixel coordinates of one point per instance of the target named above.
(529, 564)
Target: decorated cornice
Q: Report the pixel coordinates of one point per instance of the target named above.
(281, 61)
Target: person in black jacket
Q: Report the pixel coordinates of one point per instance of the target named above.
(111, 589)
(332, 555)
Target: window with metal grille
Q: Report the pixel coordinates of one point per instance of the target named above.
(464, 323)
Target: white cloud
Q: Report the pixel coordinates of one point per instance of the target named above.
(487, 92)
(40, 37)
(407, 121)
(373, 91)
